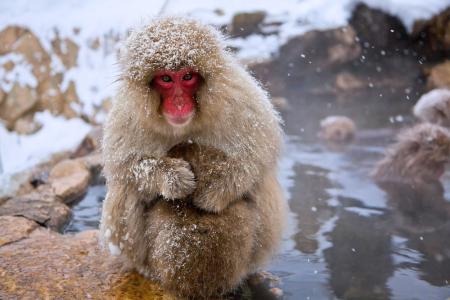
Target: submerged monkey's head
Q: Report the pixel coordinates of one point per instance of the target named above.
(169, 66)
(337, 129)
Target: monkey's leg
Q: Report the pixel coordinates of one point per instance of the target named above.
(123, 224)
(198, 254)
(271, 210)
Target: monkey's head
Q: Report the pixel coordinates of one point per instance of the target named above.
(425, 149)
(168, 66)
(434, 107)
(420, 154)
(337, 129)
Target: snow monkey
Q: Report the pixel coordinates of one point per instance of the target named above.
(434, 107)
(337, 129)
(419, 156)
(190, 157)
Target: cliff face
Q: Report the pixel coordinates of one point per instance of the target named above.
(37, 78)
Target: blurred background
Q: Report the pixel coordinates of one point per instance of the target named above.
(369, 60)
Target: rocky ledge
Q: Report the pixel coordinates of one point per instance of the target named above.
(38, 263)
(46, 192)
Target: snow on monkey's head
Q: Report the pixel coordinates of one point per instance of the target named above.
(173, 57)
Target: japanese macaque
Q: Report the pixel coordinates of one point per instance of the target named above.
(190, 157)
(418, 157)
(337, 129)
(434, 107)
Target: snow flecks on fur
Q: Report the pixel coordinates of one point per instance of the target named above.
(142, 172)
(419, 154)
(234, 117)
(107, 233)
(170, 43)
(113, 249)
(172, 241)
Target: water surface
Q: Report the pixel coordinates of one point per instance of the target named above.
(346, 237)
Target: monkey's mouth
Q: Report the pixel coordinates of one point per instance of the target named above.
(179, 120)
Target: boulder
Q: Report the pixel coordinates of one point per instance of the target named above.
(47, 265)
(90, 143)
(67, 51)
(245, 24)
(9, 36)
(69, 180)
(439, 76)
(432, 37)
(344, 48)
(70, 97)
(51, 214)
(13, 229)
(323, 48)
(19, 101)
(27, 125)
(347, 82)
(31, 48)
(94, 163)
(51, 98)
(378, 29)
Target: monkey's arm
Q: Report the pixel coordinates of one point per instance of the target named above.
(247, 161)
(170, 177)
(130, 161)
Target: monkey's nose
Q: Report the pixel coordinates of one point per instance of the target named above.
(178, 92)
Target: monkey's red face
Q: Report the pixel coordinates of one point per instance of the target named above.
(177, 90)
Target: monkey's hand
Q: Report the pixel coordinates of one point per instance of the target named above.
(176, 179)
(212, 199)
(215, 190)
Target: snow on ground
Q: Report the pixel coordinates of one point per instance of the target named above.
(109, 19)
(58, 134)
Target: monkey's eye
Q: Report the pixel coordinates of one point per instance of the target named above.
(188, 76)
(166, 78)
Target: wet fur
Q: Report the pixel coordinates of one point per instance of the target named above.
(228, 190)
(417, 157)
(434, 107)
(337, 129)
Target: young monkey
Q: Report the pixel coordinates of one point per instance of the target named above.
(190, 157)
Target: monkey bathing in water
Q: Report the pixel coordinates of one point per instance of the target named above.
(434, 107)
(190, 157)
(419, 156)
(337, 129)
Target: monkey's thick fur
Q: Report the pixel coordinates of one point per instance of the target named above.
(204, 216)
(418, 157)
